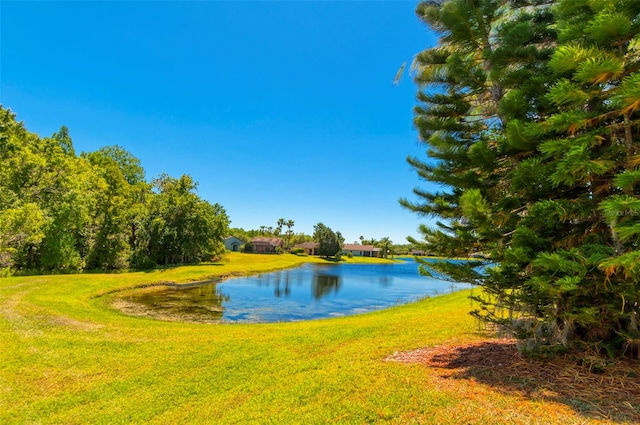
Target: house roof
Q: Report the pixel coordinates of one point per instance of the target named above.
(358, 247)
(270, 241)
(307, 245)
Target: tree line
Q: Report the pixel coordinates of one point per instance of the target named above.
(321, 232)
(63, 212)
(288, 235)
(530, 111)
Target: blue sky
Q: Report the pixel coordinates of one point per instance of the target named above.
(276, 109)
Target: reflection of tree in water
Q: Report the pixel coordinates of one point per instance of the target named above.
(324, 284)
(285, 290)
(207, 299)
(211, 295)
(385, 280)
(196, 303)
(281, 282)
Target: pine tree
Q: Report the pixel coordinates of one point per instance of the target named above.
(587, 281)
(535, 138)
(482, 86)
(329, 242)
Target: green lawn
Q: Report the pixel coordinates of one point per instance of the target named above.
(66, 357)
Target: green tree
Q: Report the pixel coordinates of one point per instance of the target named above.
(386, 245)
(69, 199)
(300, 238)
(289, 233)
(129, 165)
(536, 140)
(181, 227)
(21, 232)
(329, 242)
(116, 200)
(45, 172)
(240, 233)
(61, 212)
(481, 87)
(64, 140)
(371, 241)
(584, 286)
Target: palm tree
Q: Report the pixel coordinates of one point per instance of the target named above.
(289, 225)
(386, 245)
(281, 222)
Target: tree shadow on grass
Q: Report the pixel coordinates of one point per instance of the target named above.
(332, 259)
(593, 387)
(170, 267)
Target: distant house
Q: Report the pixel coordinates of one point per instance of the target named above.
(231, 243)
(262, 245)
(416, 252)
(310, 248)
(361, 250)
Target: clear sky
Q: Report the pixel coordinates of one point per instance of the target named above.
(276, 109)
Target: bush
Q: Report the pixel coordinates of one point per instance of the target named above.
(5, 272)
(297, 251)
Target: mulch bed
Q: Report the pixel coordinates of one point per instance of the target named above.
(594, 386)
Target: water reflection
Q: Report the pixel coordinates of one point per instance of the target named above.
(385, 280)
(281, 282)
(324, 284)
(286, 288)
(201, 302)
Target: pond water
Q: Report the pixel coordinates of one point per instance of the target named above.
(308, 292)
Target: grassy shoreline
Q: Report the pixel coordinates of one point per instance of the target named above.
(67, 357)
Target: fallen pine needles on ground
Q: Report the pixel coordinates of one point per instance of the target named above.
(610, 392)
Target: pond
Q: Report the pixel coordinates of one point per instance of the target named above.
(311, 291)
